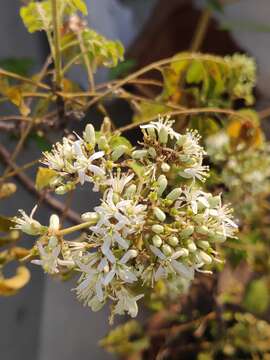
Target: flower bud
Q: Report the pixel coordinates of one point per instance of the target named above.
(159, 214)
(158, 229)
(202, 230)
(139, 154)
(53, 242)
(191, 246)
(106, 126)
(205, 257)
(118, 152)
(199, 218)
(174, 194)
(181, 140)
(54, 222)
(203, 244)
(90, 216)
(162, 184)
(152, 152)
(131, 190)
(89, 135)
(163, 135)
(181, 252)
(214, 201)
(157, 241)
(173, 241)
(165, 167)
(151, 133)
(166, 249)
(187, 231)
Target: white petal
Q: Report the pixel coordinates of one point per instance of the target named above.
(96, 155)
(183, 270)
(157, 252)
(108, 278)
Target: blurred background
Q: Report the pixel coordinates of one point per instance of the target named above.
(45, 321)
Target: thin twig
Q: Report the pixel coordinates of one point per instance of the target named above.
(71, 215)
(24, 79)
(56, 38)
(201, 30)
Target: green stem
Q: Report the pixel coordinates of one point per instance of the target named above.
(76, 228)
(56, 38)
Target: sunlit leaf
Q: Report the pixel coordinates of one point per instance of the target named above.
(257, 298)
(44, 177)
(37, 15)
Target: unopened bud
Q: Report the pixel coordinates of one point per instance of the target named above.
(162, 184)
(191, 246)
(181, 252)
(203, 244)
(118, 152)
(103, 143)
(54, 222)
(187, 231)
(90, 216)
(89, 135)
(106, 126)
(205, 257)
(174, 194)
(158, 229)
(214, 201)
(151, 133)
(163, 135)
(173, 241)
(166, 249)
(165, 167)
(131, 190)
(152, 152)
(202, 230)
(159, 214)
(139, 154)
(157, 241)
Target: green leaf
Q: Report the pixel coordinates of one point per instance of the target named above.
(79, 5)
(20, 66)
(149, 110)
(44, 177)
(215, 5)
(37, 16)
(257, 298)
(195, 73)
(122, 69)
(117, 140)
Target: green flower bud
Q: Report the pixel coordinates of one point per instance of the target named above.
(139, 154)
(159, 214)
(163, 135)
(205, 257)
(191, 246)
(165, 167)
(202, 230)
(199, 218)
(151, 133)
(187, 232)
(53, 242)
(173, 241)
(152, 152)
(118, 152)
(106, 126)
(181, 252)
(89, 135)
(203, 244)
(180, 142)
(131, 190)
(174, 194)
(158, 229)
(157, 241)
(162, 184)
(90, 216)
(219, 237)
(166, 249)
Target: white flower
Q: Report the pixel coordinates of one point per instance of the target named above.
(223, 217)
(58, 158)
(27, 224)
(197, 171)
(83, 164)
(48, 258)
(119, 182)
(127, 303)
(194, 197)
(163, 124)
(171, 265)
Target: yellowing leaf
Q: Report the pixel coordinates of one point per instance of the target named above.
(11, 285)
(37, 16)
(44, 177)
(195, 73)
(79, 5)
(5, 223)
(7, 189)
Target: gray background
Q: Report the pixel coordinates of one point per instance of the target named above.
(44, 321)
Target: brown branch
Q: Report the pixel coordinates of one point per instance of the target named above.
(71, 215)
(201, 30)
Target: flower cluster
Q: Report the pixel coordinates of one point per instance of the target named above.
(155, 221)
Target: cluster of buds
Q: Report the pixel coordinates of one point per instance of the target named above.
(155, 221)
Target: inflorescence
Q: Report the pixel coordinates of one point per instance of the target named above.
(155, 221)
